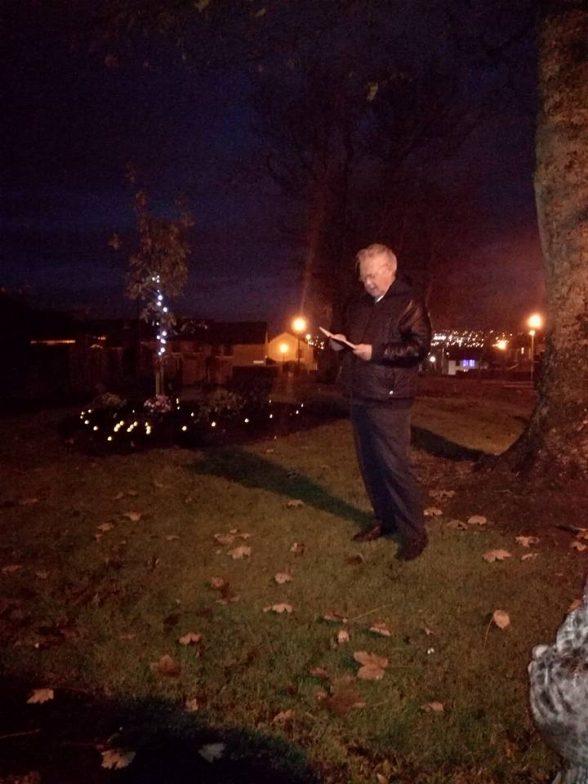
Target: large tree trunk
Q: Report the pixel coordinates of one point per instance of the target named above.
(556, 440)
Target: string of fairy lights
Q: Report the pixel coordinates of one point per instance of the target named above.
(162, 308)
(181, 424)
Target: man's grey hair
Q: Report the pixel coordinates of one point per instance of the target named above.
(377, 249)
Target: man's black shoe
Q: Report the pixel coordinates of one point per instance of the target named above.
(370, 534)
(408, 551)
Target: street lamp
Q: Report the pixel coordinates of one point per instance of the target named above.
(299, 325)
(535, 322)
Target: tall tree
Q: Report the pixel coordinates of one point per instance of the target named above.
(556, 440)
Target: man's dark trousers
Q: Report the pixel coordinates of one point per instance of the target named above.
(382, 441)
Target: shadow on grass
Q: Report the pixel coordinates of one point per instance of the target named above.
(255, 472)
(441, 447)
(60, 742)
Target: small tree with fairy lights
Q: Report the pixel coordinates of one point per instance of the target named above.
(158, 270)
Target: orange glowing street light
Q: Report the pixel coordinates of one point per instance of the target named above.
(535, 322)
(299, 327)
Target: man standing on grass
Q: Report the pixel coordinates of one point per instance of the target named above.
(389, 331)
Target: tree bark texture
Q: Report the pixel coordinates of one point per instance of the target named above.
(556, 440)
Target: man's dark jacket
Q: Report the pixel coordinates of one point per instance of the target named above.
(399, 331)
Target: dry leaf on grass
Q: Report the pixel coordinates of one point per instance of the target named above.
(191, 638)
(279, 608)
(319, 672)
(191, 705)
(373, 666)
(104, 527)
(42, 574)
(120, 495)
(477, 520)
(574, 605)
(526, 541)
(282, 577)
(355, 560)
(578, 546)
(342, 636)
(218, 583)
(344, 696)
(457, 525)
(297, 548)
(433, 707)
(243, 551)
(496, 555)
(171, 537)
(433, 511)
(224, 538)
(115, 759)
(134, 517)
(501, 619)
(379, 627)
(334, 617)
(11, 568)
(529, 556)
(293, 503)
(166, 666)
(441, 495)
(39, 696)
(283, 717)
(212, 751)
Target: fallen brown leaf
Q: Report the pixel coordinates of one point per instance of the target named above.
(279, 608)
(116, 759)
(293, 503)
(39, 696)
(212, 751)
(477, 520)
(283, 717)
(166, 666)
(342, 636)
(297, 548)
(243, 551)
(191, 705)
(496, 555)
(529, 556)
(11, 568)
(344, 696)
(433, 707)
(191, 638)
(334, 617)
(379, 627)
(457, 525)
(526, 541)
(224, 538)
(282, 577)
(218, 583)
(319, 672)
(578, 546)
(134, 517)
(501, 619)
(104, 527)
(433, 511)
(28, 501)
(355, 560)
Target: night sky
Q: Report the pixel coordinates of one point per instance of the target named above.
(73, 118)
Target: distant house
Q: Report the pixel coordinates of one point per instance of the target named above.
(211, 351)
(284, 348)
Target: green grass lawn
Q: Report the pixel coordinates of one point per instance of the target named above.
(107, 562)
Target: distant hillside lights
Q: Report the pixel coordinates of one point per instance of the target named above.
(468, 338)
